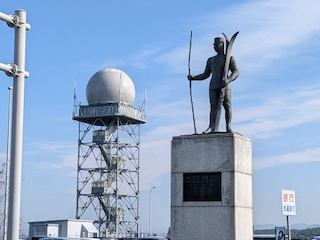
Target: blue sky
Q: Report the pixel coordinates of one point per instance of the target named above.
(276, 99)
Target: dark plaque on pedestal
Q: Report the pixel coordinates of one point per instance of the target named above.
(202, 186)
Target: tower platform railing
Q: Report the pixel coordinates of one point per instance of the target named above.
(87, 113)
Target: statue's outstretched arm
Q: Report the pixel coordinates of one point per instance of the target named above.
(204, 75)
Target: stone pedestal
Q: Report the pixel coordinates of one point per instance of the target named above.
(197, 212)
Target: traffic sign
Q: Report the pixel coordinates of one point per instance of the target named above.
(288, 202)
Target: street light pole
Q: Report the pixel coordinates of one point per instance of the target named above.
(17, 71)
(150, 210)
(17, 125)
(7, 168)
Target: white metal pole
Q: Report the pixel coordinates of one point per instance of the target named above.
(17, 130)
(7, 169)
(150, 210)
(288, 227)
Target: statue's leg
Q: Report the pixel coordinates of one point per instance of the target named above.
(228, 109)
(220, 102)
(214, 97)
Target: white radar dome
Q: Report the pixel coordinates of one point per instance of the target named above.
(107, 85)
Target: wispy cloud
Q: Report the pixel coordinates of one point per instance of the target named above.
(284, 109)
(268, 31)
(56, 147)
(140, 60)
(69, 160)
(309, 155)
(65, 154)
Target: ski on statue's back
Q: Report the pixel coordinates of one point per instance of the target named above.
(228, 53)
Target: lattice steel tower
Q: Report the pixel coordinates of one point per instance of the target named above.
(108, 154)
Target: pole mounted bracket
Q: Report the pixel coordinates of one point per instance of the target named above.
(14, 23)
(12, 70)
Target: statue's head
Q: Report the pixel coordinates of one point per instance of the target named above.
(218, 45)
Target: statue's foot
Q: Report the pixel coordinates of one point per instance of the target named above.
(209, 130)
(229, 130)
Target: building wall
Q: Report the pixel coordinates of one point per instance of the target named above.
(53, 230)
(62, 228)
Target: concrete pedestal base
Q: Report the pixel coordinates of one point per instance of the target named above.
(231, 216)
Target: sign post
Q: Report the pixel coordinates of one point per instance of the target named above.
(288, 206)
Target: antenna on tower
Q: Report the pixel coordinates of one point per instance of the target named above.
(144, 104)
(74, 86)
(75, 100)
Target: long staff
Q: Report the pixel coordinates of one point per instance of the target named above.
(194, 120)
